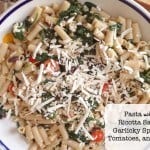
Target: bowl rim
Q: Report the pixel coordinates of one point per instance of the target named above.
(133, 4)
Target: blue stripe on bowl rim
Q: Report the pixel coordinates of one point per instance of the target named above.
(3, 146)
(142, 13)
(130, 4)
(13, 10)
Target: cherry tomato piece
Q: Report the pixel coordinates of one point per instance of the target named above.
(31, 59)
(98, 135)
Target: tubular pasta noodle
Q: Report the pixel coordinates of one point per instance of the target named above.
(35, 16)
(34, 32)
(33, 146)
(145, 99)
(31, 47)
(60, 31)
(55, 7)
(63, 146)
(118, 47)
(89, 26)
(105, 15)
(109, 38)
(3, 51)
(136, 33)
(129, 36)
(18, 65)
(49, 10)
(21, 130)
(4, 88)
(64, 6)
(122, 21)
(63, 132)
(75, 145)
(28, 132)
(44, 135)
(37, 136)
(81, 18)
(99, 24)
(53, 137)
(98, 34)
(4, 68)
(50, 19)
(112, 54)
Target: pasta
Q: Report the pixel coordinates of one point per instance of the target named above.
(62, 65)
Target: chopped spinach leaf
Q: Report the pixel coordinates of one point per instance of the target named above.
(78, 137)
(44, 56)
(27, 23)
(46, 96)
(91, 16)
(93, 103)
(89, 119)
(20, 28)
(85, 35)
(115, 26)
(19, 35)
(100, 125)
(89, 5)
(47, 80)
(47, 33)
(146, 76)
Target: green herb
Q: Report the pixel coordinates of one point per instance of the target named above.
(52, 115)
(89, 5)
(20, 28)
(85, 35)
(2, 112)
(44, 56)
(99, 124)
(46, 33)
(146, 76)
(46, 96)
(27, 23)
(91, 16)
(116, 26)
(19, 35)
(93, 103)
(78, 137)
(74, 9)
(89, 119)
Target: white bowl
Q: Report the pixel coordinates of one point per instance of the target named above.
(126, 8)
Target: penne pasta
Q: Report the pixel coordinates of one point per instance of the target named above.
(28, 132)
(33, 146)
(63, 132)
(60, 31)
(64, 6)
(129, 36)
(109, 38)
(3, 51)
(122, 21)
(34, 32)
(44, 136)
(136, 32)
(37, 136)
